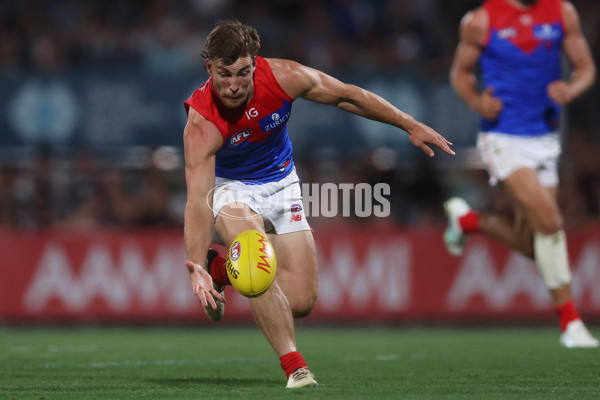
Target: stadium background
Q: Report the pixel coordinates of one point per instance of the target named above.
(91, 177)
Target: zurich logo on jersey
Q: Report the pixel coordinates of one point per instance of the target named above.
(239, 137)
(546, 32)
(276, 119)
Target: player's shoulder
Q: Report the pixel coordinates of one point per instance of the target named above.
(570, 18)
(474, 25)
(569, 12)
(476, 19)
(201, 134)
(281, 66)
(292, 76)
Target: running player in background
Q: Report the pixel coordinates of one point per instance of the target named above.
(236, 142)
(518, 45)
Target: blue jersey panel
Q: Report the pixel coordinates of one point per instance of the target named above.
(259, 156)
(520, 78)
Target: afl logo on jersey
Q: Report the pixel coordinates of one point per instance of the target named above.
(239, 137)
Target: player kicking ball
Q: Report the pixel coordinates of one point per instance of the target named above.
(240, 176)
(518, 45)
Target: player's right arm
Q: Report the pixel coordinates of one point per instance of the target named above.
(579, 55)
(201, 140)
(311, 84)
(473, 30)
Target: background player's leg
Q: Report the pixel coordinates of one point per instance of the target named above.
(540, 205)
(537, 231)
(515, 232)
(550, 248)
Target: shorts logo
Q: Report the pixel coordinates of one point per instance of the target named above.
(239, 137)
(235, 251)
(296, 218)
(296, 208)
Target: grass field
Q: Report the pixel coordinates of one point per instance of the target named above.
(370, 363)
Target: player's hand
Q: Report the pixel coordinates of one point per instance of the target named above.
(421, 135)
(202, 285)
(560, 92)
(489, 106)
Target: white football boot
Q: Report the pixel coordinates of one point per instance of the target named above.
(454, 238)
(301, 377)
(577, 335)
(214, 314)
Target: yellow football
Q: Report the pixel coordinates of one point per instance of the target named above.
(251, 263)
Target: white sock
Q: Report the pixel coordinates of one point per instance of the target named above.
(552, 258)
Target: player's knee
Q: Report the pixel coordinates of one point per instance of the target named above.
(302, 307)
(548, 222)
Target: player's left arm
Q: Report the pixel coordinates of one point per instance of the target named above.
(311, 84)
(579, 55)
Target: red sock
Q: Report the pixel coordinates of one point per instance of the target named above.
(291, 362)
(219, 272)
(469, 222)
(566, 313)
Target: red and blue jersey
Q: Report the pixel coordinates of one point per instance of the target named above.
(520, 58)
(256, 144)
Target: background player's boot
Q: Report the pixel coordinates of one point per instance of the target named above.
(577, 335)
(214, 314)
(301, 377)
(454, 238)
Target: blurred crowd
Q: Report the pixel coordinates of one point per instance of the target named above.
(164, 37)
(168, 36)
(84, 192)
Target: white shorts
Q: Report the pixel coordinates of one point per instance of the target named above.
(279, 203)
(503, 154)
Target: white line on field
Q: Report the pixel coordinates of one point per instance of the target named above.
(138, 363)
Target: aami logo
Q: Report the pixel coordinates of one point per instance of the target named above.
(235, 251)
(239, 137)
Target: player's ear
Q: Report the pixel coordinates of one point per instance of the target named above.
(208, 66)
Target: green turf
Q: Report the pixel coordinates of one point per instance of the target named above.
(370, 363)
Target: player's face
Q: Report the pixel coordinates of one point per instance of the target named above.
(233, 83)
